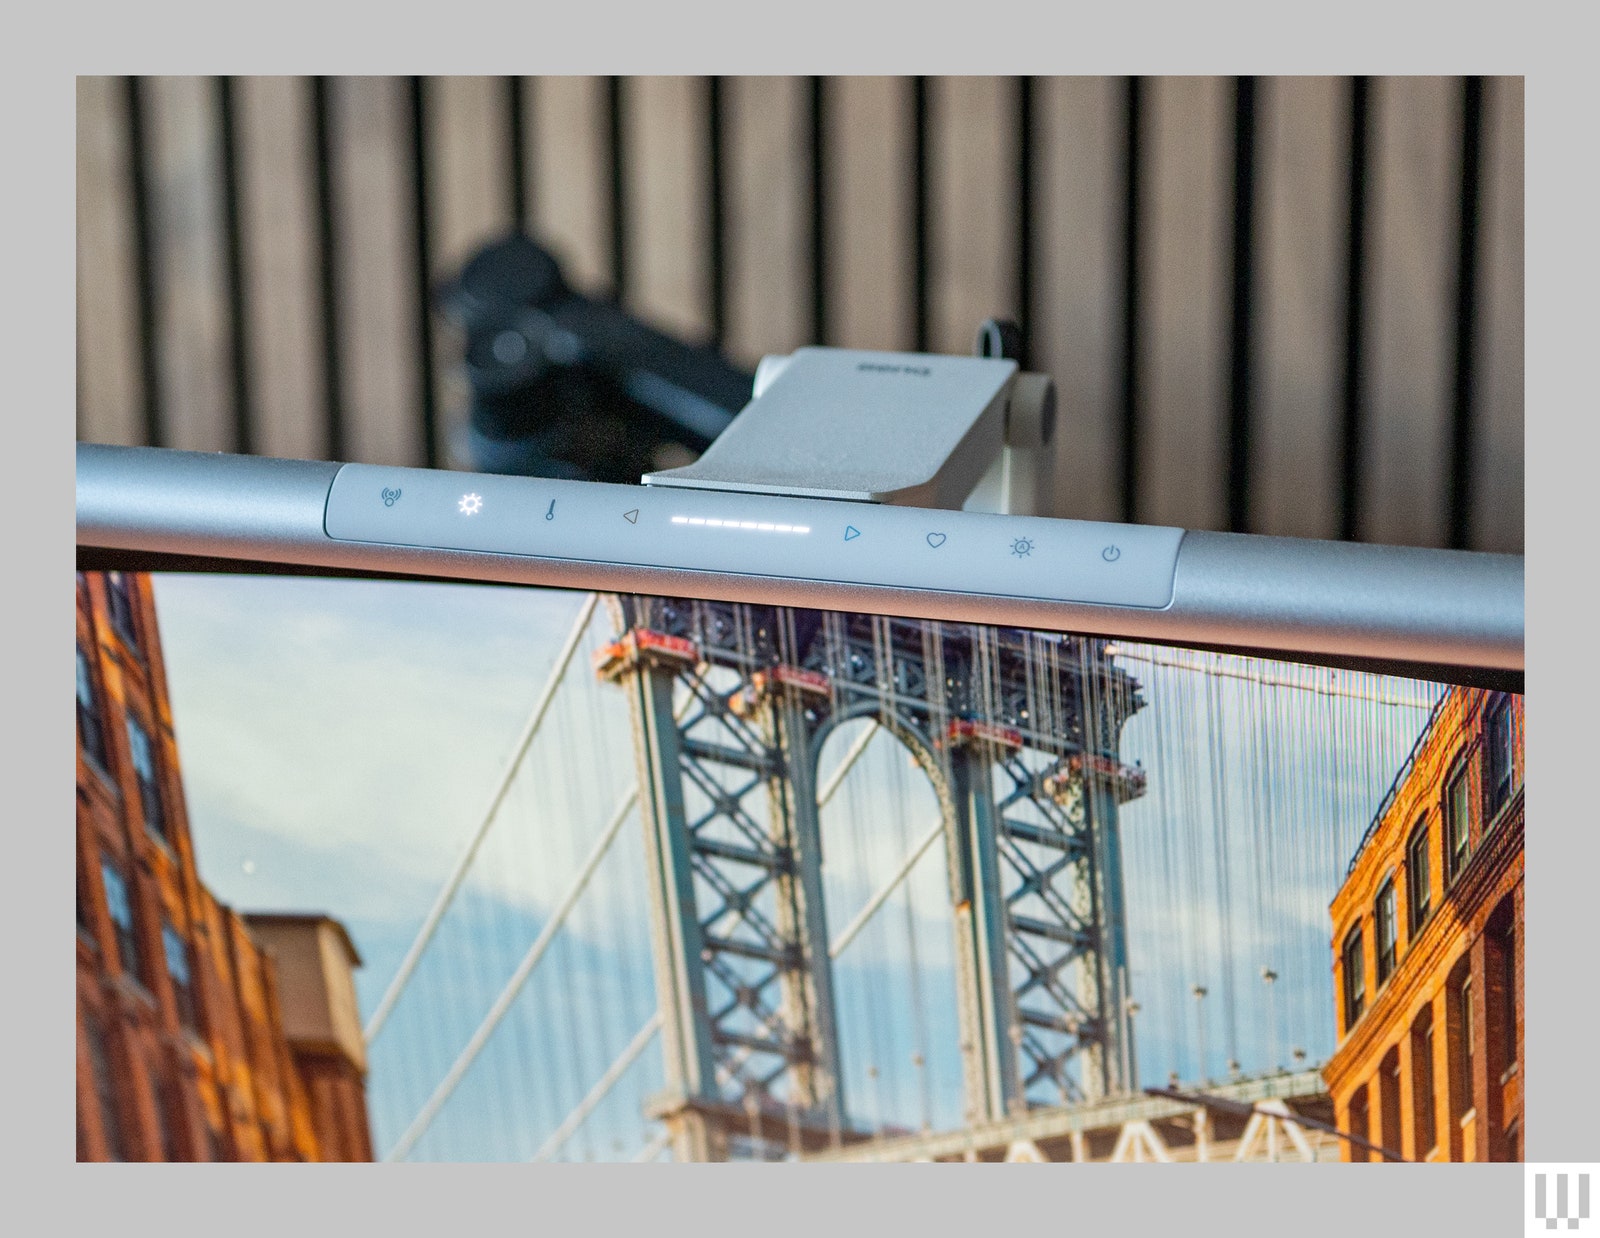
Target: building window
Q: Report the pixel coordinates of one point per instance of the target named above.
(1419, 892)
(1457, 824)
(1359, 1126)
(1501, 772)
(144, 765)
(1355, 980)
(119, 589)
(1384, 916)
(177, 952)
(1389, 1101)
(1423, 1099)
(121, 908)
(105, 1089)
(1509, 961)
(1505, 956)
(91, 734)
(1467, 1034)
(165, 1135)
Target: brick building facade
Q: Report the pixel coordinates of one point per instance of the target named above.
(202, 1034)
(1428, 947)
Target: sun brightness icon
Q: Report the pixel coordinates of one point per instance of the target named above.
(1022, 547)
(470, 504)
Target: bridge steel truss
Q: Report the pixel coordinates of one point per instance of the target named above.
(1018, 733)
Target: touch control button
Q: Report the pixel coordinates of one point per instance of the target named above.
(1111, 554)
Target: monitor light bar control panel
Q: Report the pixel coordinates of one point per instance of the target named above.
(716, 531)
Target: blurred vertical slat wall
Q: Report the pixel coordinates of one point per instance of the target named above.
(1282, 305)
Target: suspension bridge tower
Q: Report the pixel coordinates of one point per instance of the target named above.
(1018, 733)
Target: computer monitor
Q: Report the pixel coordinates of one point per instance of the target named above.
(492, 818)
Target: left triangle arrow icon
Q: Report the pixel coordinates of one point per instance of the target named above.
(631, 517)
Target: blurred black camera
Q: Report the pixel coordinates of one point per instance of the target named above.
(563, 385)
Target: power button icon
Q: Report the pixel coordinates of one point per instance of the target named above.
(1111, 554)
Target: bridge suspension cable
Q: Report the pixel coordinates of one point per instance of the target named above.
(851, 756)
(530, 961)
(853, 929)
(519, 978)
(1213, 666)
(580, 1113)
(452, 885)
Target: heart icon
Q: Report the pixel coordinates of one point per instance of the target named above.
(936, 540)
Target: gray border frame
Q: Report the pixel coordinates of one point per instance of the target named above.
(1561, 252)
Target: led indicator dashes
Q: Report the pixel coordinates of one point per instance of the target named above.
(754, 526)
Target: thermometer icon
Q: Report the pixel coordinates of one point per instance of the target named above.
(551, 514)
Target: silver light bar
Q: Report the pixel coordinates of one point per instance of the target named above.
(1311, 598)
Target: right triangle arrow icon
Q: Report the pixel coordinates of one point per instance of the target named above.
(851, 532)
(631, 517)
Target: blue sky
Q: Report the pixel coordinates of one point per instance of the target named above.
(339, 741)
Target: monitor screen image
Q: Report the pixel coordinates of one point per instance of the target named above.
(375, 869)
